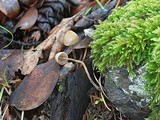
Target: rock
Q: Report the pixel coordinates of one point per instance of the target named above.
(127, 93)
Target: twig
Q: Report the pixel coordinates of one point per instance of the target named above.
(100, 85)
(86, 70)
(104, 101)
(85, 53)
(118, 3)
(5, 110)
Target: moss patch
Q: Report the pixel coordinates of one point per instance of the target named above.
(129, 38)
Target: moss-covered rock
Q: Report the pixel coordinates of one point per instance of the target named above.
(130, 37)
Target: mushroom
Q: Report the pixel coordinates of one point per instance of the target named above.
(71, 38)
(62, 58)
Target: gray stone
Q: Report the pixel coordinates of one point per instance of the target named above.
(127, 93)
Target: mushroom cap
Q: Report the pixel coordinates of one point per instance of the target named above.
(70, 38)
(59, 57)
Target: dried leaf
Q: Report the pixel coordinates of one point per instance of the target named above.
(36, 87)
(30, 60)
(24, 61)
(14, 59)
(27, 20)
(10, 8)
(2, 17)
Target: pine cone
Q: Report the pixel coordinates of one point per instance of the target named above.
(49, 15)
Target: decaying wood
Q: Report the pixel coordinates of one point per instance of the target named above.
(71, 103)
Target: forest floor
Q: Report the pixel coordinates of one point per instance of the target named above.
(36, 83)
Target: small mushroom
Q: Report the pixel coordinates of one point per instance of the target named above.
(70, 38)
(62, 59)
(59, 57)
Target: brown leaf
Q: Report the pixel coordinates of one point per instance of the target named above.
(10, 8)
(13, 59)
(2, 17)
(36, 87)
(27, 20)
(24, 61)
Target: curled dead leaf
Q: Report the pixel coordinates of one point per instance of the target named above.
(24, 61)
(30, 60)
(36, 87)
(10, 8)
(27, 20)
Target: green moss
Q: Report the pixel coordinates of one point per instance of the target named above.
(131, 37)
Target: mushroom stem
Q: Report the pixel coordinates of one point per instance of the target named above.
(86, 70)
(73, 52)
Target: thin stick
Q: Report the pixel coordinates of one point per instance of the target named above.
(118, 3)
(86, 70)
(108, 1)
(99, 4)
(100, 85)
(5, 110)
(104, 101)
(85, 54)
